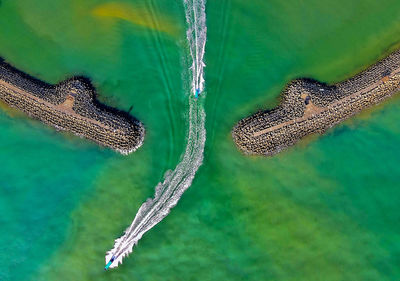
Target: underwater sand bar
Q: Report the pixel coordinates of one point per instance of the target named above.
(70, 106)
(310, 107)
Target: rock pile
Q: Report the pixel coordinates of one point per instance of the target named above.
(310, 107)
(71, 106)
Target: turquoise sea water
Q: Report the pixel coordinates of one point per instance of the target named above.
(327, 209)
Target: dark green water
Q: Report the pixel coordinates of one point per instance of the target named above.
(327, 209)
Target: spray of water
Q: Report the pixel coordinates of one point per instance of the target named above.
(168, 192)
(197, 36)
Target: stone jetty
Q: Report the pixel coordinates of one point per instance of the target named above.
(310, 107)
(70, 106)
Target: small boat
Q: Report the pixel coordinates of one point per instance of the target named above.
(197, 93)
(109, 263)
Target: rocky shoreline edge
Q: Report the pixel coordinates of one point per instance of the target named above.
(71, 105)
(310, 107)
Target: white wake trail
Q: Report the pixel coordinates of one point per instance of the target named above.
(168, 193)
(195, 12)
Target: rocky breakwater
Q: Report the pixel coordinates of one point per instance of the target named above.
(71, 106)
(310, 107)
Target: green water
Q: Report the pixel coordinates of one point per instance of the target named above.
(327, 209)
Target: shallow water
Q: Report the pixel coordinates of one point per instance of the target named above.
(327, 207)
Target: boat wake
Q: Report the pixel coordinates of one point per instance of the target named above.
(195, 12)
(168, 192)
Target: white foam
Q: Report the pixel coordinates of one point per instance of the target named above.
(168, 193)
(195, 12)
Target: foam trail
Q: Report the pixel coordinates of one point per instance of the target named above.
(168, 193)
(197, 37)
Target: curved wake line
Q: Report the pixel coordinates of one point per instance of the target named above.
(176, 182)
